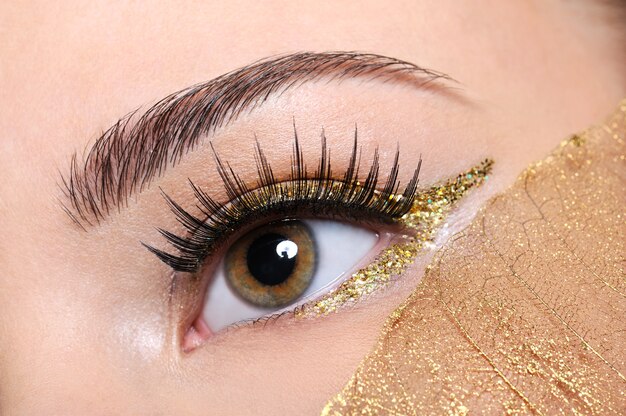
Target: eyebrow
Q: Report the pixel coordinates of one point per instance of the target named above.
(138, 148)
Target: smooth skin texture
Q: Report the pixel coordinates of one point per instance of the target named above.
(85, 326)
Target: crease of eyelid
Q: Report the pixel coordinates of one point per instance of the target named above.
(138, 148)
(319, 191)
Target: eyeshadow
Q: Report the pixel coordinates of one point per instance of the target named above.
(311, 193)
(422, 222)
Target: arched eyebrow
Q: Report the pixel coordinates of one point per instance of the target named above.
(140, 147)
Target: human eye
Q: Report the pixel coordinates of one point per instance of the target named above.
(282, 264)
(304, 245)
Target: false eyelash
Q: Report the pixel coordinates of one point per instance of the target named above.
(320, 193)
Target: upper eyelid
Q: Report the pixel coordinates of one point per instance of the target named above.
(320, 188)
(127, 157)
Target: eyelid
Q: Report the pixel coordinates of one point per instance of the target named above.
(322, 190)
(140, 146)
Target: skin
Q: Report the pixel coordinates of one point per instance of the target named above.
(85, 322)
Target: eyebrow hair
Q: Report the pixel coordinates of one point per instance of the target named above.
(127, 157)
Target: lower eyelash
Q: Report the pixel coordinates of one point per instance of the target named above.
(263, 321)
(321, 193)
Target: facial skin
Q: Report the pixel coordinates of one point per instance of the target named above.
(85, 322)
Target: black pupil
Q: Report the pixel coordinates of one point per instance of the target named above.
(266, 264)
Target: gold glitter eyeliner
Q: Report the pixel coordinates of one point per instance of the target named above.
(426, 215)
(523, 311)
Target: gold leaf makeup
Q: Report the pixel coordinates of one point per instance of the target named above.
(523, 311)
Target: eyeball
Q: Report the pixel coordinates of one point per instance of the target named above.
(280, 265)
(273, 265)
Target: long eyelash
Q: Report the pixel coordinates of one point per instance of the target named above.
(321, 192)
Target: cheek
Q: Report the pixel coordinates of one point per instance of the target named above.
(139, 336)
(77, 337)
(321, 355)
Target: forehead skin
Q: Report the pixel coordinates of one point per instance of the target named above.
(539, 70)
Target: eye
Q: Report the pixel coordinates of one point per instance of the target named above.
(332, 223)
(282, 264)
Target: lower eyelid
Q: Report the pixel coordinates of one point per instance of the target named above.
(198, 331)
(190, 291)
(331, 260)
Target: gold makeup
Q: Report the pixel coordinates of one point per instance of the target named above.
(523, 311)
(425, 218)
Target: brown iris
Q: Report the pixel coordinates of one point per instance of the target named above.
(273, 265)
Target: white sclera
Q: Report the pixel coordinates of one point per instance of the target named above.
(340, 247)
